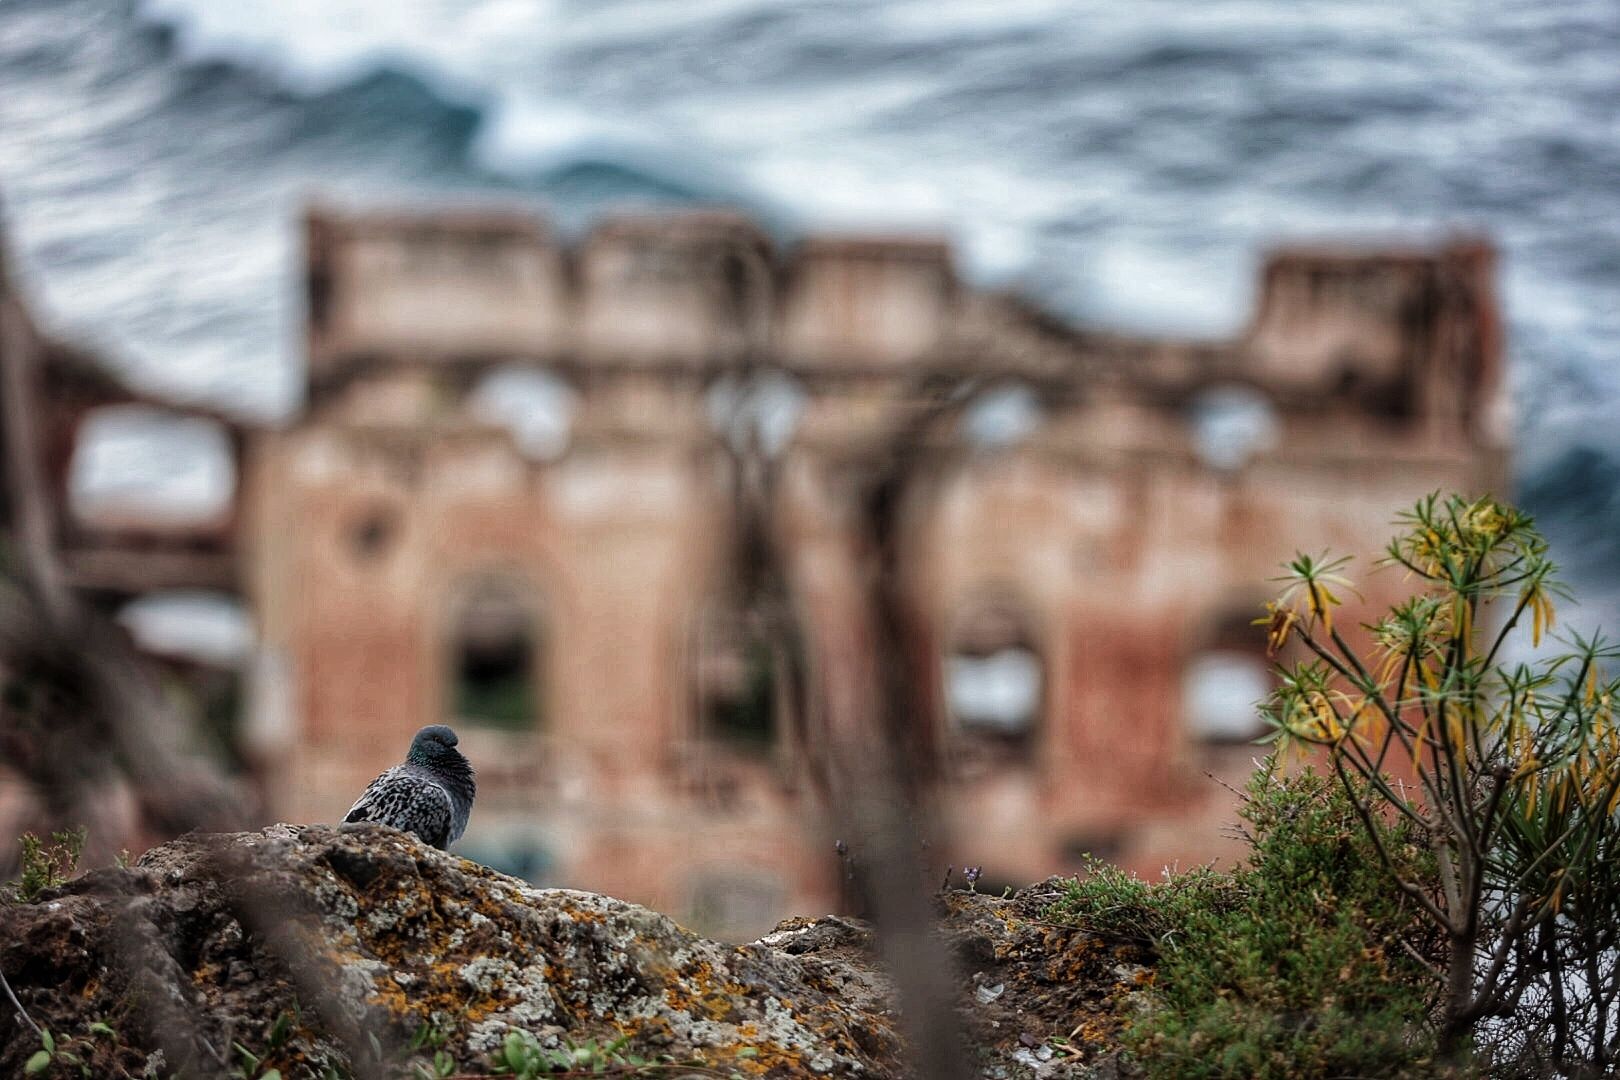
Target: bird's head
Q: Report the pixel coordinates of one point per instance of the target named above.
(434, 745)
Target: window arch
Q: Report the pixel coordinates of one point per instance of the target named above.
(495, 650)
(995, 678)
(1224, 681)
(1221, 692)
(198, 625)
(738, 679)
(1004, 415)
(134, 464)
(521, 851)
(534, 404)
(762, 408)
(1231, 423)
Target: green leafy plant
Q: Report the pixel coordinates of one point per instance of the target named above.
(252, 1063)
(69, 1055)
(522, 1057)
(430, 1039)
(45, 866)
(252, 1066)
(1506, 773)
(442, 1066)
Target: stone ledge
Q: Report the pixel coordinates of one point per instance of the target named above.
(348, 934)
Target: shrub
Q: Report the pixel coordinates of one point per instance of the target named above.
(1512, 777)
(1300, 963)
(45, 866)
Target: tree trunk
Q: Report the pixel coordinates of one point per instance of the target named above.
(32, 507)
(1459, 1020)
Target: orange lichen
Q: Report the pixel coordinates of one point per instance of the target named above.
(1093, 1032)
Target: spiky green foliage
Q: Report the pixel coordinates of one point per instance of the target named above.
(1508, 772)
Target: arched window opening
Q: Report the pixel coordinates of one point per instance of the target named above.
(762, 409)
(205, 640)
(995, 680)
(535, 405)
(1221, 692)
(494, 658)
(738, 673)
(136, 466)
(1079, 848)
(517, 852)
(195, 625)
(1002, 416)
(1232, 424)
(371, 534)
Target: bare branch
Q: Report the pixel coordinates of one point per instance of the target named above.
(22, 1013)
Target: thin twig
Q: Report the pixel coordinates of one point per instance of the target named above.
(15, 1004)
(1428, 964)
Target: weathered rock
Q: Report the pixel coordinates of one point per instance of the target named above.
(319, 948)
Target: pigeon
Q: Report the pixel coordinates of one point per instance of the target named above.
(430, 795)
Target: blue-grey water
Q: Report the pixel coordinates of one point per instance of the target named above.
(1125, 162)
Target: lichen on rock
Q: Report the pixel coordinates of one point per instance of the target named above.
(321, 948)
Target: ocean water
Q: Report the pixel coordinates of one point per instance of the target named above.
(1124, 163)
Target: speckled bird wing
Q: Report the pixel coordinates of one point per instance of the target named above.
(408, 802)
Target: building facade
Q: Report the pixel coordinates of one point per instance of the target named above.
(529, 482)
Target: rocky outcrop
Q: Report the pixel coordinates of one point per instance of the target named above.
(360, 951)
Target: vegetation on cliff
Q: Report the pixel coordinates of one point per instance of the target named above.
(309, 951)
(1444, 898)
(1505, 773)
(1435, 896)
(1302, 962)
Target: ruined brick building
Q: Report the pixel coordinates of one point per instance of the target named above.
(527, 473)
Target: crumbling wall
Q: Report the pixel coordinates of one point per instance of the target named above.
(1074, 472)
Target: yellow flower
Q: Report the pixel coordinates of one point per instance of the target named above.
(1279, 622)
(1541, 611)
(1485, 518)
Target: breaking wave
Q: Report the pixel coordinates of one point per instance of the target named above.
(1124, 163)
